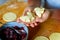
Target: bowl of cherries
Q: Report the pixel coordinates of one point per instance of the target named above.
(13, 31)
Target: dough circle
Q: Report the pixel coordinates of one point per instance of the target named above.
(41, 38)
(9, 16)
(54, 36)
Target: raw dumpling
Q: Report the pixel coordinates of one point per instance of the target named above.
(39, 11)
(31, 16)
(28, 18)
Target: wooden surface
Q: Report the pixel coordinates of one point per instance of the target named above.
(18, 11)
(49, 26)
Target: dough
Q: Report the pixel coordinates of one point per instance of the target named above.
(41, 38)
(55, 36)
(25, 18)
(39, 11)
(9, 16)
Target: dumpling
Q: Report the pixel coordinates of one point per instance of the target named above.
(39, 11)
(28, 18)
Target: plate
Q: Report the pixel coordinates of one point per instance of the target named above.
(55, 36)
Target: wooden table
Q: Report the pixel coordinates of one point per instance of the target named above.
(49, 26)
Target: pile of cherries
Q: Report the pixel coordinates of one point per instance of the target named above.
(14, 33)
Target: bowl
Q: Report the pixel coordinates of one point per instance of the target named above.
(12, 24)
(53, 3)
